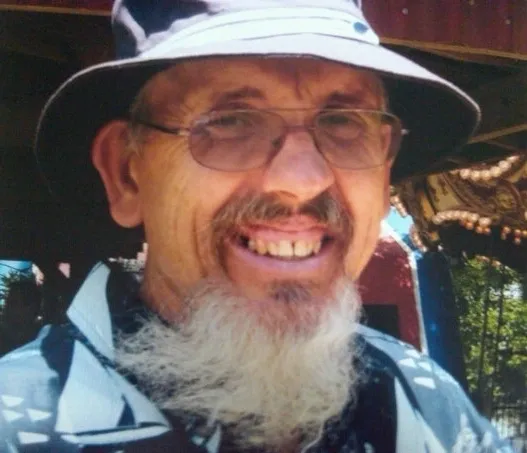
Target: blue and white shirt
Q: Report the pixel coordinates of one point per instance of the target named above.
(62, 394)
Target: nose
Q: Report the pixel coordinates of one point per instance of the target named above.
(298, 169)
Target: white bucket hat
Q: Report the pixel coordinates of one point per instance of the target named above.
(150, 36)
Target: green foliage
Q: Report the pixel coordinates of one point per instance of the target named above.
(481, 288)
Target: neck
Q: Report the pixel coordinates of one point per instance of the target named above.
(161, 295)
(290, 447)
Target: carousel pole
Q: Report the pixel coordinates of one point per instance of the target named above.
(481, 384)
(497, 341)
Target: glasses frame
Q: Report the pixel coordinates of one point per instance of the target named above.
(183, 131)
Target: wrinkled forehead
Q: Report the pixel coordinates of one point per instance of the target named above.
(268, 82)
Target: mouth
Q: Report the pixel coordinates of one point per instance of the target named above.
(260, 255)
(288, 249)
(285, 248)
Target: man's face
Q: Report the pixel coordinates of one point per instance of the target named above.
(243, 226)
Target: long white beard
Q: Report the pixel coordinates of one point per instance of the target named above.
(225, 363)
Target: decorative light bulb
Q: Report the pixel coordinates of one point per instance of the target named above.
(504, 166)
(495, 171)
(485, 175)
(484, 221)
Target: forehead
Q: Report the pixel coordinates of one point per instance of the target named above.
(278, 82)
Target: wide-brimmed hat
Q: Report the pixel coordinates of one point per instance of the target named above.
(151, 36)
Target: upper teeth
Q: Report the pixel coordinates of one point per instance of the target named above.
(285, 248)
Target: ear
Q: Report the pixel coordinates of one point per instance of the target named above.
(386, 142)
(114, 164)
(387, 192)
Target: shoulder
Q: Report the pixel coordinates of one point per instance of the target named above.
(34, 360)
(404, 360)
(429, 402)
(31, 380)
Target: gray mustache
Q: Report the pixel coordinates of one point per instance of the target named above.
(324, 209)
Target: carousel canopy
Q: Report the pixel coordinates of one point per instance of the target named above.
(478, 211)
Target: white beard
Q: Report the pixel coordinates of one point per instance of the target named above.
(266, 386)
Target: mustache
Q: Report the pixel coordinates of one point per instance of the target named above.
(325, 209)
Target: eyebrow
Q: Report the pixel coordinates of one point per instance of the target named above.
(243, 93)
(248, 92)
(339, 97)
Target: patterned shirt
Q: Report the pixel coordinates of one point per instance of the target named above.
(61, 393)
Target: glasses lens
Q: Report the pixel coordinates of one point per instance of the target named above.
(235, 140)
(357, 139)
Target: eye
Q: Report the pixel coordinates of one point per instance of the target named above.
(232, 124)
(334, 119)
(227, 121)
(342, 125)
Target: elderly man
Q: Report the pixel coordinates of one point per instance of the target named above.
(254, 143)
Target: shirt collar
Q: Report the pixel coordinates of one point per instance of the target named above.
(96, 379)
(90, 312)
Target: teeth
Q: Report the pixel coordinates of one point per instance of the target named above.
(285, 248)
(261, 248)
(303, 248)
(272, 249)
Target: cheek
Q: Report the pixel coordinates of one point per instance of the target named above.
(167, 203)
(179, 202)
(366, 194)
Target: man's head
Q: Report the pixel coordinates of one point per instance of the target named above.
(254, 266)
(281, 233)
(154, 36)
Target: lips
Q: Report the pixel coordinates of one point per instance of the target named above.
(285, 242)
(262, 242)
(284, 248)
(258, 256)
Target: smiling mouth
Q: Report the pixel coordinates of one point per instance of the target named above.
(284, 249)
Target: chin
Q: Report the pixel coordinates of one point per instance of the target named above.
(288, 306)
(253, 358)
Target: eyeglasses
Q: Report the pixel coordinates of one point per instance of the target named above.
(237, 140)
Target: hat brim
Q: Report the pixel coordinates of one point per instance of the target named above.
(440, 117)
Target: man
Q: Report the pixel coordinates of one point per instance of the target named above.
(253, 143)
